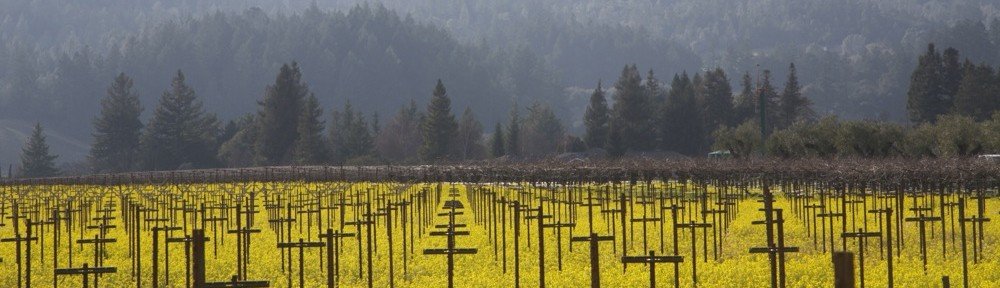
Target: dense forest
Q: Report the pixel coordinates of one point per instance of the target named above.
(854, 58)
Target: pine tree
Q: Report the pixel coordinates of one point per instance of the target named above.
(180, 131)
(35, 158)
(310, 148)
(924, 101)
(631, 111)
(278, 116)
(715, 100)
(697, 84)
(771, 98)
(514, 132)
(238, 150)
(353, 133)
(652, 88)
(977, 94)
(596, 119)
(439, 126)
(745, 103)
(498, 142)
(359, 137)
(656, 101)
(682, 128)
(469, 137)
(542, 131)
(118, 129)
(951, 77)
(792, 106)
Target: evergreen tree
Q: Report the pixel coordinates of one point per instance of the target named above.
(469, 137)
(771, 98)
(977, 94)
(359, 137)
(336, 135)
(682, 128)
(792, 106)
(310, 148)
(697, 84)
(238, 150)
(542, 131)
(279, 116)
(354, 136)
(514, 132)
(180, 131)
(652, 85)
(715, 100)
(439, 126)
(656, 101)
(631, 111)
(498, 142)
(596, 119)
(951, 77)
(35, 158)
(745, 103)
(924, 101)
(118, 129)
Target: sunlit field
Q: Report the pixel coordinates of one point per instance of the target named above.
(717, 251)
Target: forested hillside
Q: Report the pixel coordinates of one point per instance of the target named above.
(854, 58)
(368, 55)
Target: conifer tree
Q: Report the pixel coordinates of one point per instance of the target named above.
(977, 94)
(542, 131)
(439, 126)
(951, 77)
(351, 136)
(180, 131)
(632, 111)
(596, 119)
(771, 98)
(359, 136)
(310, 148)
(715, 100)
(924, 101)
(238, 150)
(682, 130)
(656, 100)
(514, 132)
(652, 88)
(279, 116)
(745, 103)
(35, 158)
(117, 129)
(498, 142)
(792, 106)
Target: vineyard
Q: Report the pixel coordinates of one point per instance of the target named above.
(703, 223)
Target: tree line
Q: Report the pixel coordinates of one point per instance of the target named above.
(646, 116)
(941, 84)
(951, 135)
(690, 116)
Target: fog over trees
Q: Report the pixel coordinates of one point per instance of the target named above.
(523, 74)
